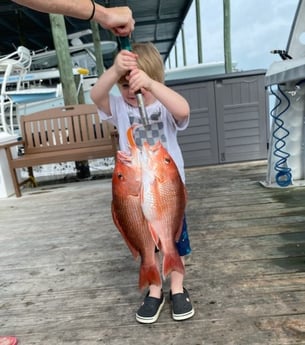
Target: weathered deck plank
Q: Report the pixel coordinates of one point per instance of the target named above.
(66, 276)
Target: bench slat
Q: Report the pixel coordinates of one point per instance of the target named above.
(91, 127)
(98, 127)
(84, 127)
(70, 130)
(77, 129)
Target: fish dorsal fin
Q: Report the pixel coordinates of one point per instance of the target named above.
(130, 137)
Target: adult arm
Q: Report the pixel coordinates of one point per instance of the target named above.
(117, 19)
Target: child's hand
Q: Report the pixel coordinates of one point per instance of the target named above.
(138, 80)
(124, 62)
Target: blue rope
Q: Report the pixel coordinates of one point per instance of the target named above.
(283, 177)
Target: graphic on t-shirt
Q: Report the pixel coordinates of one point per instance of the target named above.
(152, 133)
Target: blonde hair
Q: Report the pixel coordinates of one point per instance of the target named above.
(149, 60)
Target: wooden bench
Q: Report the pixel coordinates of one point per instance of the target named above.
(71, 133)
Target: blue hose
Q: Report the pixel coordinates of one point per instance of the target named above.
(283, 177)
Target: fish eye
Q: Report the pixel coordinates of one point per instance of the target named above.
(167, 160)
(120, 176)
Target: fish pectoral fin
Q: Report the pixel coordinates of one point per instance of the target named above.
(178, 233)
(154, 235)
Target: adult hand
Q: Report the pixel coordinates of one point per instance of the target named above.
(117, 19)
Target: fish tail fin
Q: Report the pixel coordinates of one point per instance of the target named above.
(172, 262)
(149, 275)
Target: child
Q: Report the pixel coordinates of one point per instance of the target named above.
(142, 69)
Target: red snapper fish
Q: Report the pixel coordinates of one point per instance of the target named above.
(128, 216)
(163, 203)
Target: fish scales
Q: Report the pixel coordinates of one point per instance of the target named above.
(163, 203)
(128, 217)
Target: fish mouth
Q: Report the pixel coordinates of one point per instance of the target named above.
(150, 151)
(124, 157)
(152, 148)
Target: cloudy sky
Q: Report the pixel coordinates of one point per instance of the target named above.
(257, 26)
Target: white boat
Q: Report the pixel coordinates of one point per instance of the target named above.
(199, 70)
(32, 95)
(82, 54)
(48, 58)
(38, 76)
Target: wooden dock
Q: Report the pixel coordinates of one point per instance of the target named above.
(66, 276)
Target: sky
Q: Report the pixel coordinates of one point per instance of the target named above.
(257, 27)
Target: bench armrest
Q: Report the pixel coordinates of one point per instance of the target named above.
(13, 143)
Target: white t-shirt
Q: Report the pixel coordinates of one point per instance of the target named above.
(162, 127)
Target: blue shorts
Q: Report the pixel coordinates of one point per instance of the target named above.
(183, 245)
